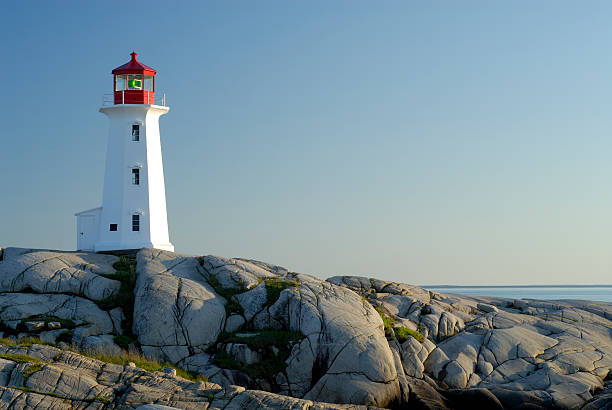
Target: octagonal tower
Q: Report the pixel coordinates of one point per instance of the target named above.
(133, 212)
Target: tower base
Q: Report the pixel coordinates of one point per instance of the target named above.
(116, 246)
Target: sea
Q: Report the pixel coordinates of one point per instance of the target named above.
(602, 293)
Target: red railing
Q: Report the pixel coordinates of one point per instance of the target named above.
(134, 97)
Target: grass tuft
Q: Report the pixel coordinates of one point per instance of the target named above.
(125, 340)
(126, 274)
(263, 338)
(102, 399)
(262, 341)
(388, 321)
(28, 390)
(33, 368)
(232, 306)
(143, 362)
(122, 358)
(20, 358)
(403, 333)
(275, 286)
(24, 341)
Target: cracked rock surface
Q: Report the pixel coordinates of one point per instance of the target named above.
(289, 340)
(176, 312)
(75, 273)
(44, 377)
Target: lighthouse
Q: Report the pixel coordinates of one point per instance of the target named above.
(133, 212)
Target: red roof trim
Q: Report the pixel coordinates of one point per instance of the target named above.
(134, 67)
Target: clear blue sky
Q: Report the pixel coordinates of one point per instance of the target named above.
(424, 142)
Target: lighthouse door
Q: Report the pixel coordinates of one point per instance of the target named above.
(86, 233)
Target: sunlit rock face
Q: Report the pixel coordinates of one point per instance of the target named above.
(294, 340)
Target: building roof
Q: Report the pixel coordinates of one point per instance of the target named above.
(89, 211)
(134, 67)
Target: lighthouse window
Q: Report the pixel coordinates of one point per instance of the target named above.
(135, 132)
(135, 176)
(120, 82)
(113, 228)
(148, 83)
(135, 223)
(134, 81)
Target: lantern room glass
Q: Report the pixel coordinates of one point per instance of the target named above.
(120, 83)
(148, 83)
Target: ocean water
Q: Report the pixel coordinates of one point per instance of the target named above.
(601, 293)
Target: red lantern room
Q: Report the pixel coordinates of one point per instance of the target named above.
(134, 83)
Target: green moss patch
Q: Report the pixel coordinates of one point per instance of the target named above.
(126, 274)
(28, 390)
(275, 286)
(263, 338)
(24, 341)
(388, 321)
(33, 368)
(403, 333)
(231, 306)
(102, 399)
(143, 362)
(262, 341)
(20, 358)
(265, 369)
(124, 341)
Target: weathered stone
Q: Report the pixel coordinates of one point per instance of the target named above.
(490, 352)
(76, 273)
(33, 326)
(486, 307)
(243, 354)
(175, 307)
(236, 273)
(54, 325)
(101, 344)
(50, 336)
(170, 371)
(233, 323)
(15, 306)
(253, 300)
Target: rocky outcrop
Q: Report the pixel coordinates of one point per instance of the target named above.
(546, 354)
(75, 273)
(289, 339)
(43, 377)
(343, 356)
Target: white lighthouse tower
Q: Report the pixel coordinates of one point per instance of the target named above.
(133, 212)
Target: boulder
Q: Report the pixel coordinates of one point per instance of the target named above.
(243, 354)
(253, 300)
(75, 273)
(485, 307)
(176, 312)
(101, 344)
(233, 323)
(236, 273)
(345, 357)
(18, 306)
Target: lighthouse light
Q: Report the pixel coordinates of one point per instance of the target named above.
(134, 82)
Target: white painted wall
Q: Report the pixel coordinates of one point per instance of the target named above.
(87, 229)
(120, 198)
